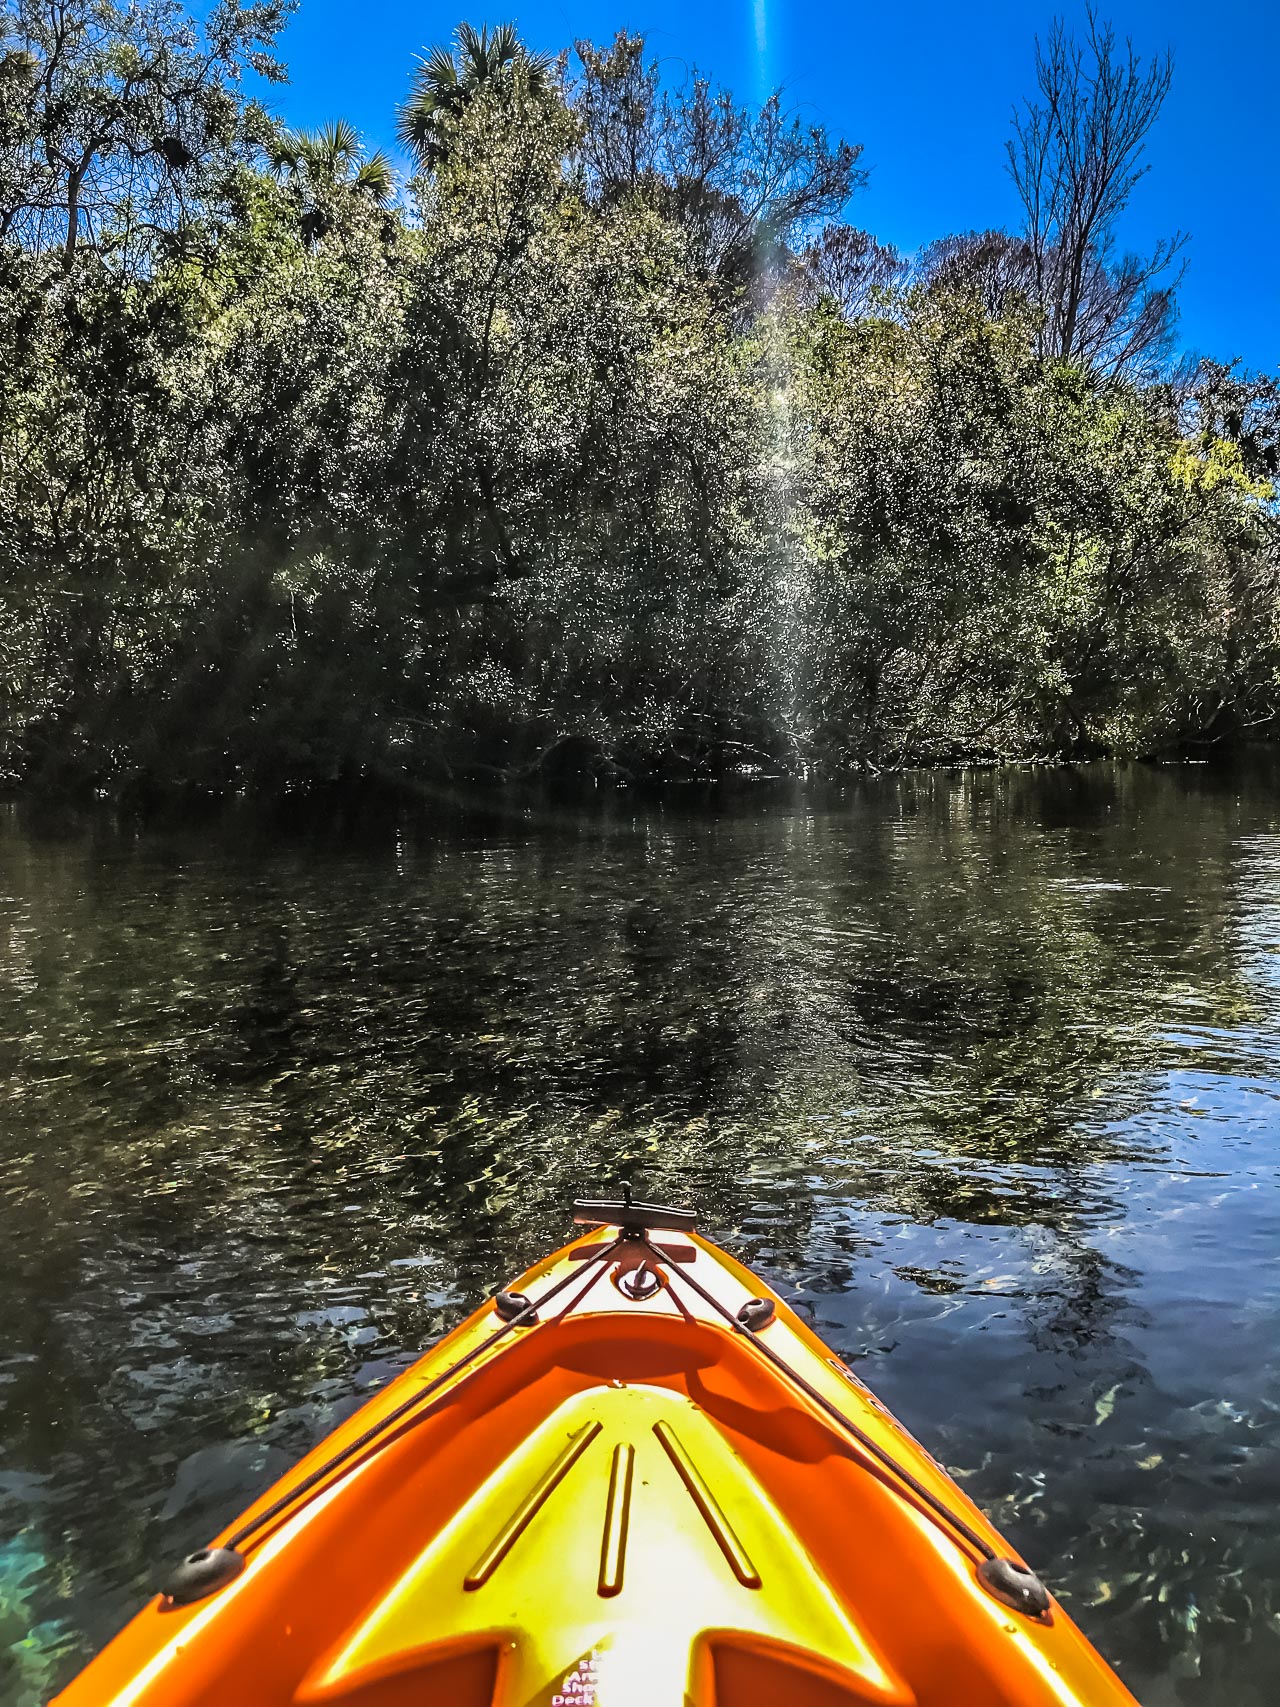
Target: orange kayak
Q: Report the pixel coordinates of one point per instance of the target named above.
(635, 1478)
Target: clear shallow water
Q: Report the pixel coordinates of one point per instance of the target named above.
(982, 1071)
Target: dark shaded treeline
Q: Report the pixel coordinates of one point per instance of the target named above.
(603, 444)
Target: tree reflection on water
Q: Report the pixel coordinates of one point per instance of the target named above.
(975, 1067)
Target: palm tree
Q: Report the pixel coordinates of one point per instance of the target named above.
(446, 80)
(333, 157)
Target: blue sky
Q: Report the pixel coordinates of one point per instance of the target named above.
(927, 89)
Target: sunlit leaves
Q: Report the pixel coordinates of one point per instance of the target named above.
(601, 449)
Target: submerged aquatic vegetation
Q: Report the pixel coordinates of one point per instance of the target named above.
(35, 1653)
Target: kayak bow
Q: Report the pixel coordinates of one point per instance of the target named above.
(635, 1478)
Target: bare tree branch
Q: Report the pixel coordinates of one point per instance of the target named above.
(1075, 157)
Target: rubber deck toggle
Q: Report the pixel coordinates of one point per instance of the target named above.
(1015, 1586)
(757, 1313)
(509, 1305)
(202, 1574)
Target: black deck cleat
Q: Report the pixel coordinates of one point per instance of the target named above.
(509, 1305)
(1015, 1586)
(202, 1574)
(757, 1313)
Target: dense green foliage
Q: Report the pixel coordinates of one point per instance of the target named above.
(602, 444)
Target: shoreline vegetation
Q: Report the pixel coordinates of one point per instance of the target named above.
(593, 436)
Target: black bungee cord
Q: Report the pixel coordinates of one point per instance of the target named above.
(1008, 1580)
(202, 1572)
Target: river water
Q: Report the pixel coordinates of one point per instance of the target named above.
(981, 1070)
